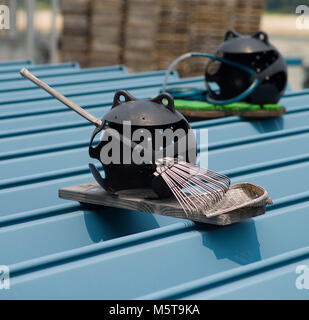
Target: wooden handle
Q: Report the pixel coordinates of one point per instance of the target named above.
(27, 74)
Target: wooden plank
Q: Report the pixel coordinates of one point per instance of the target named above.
(212, 114)
(241, 202)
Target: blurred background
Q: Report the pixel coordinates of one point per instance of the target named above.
(148, 34)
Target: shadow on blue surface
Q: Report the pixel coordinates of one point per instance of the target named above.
(238, 243)
(110, 223)
(268, 125)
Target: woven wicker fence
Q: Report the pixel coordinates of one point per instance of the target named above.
(149, 34)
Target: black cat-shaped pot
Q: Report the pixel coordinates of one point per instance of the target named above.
(155, 115)
(256, 53)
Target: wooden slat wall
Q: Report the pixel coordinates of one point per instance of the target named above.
(149, 34)
(140, 29)
(245, 15)
(172, 38)
(106, 32)
(76, 31)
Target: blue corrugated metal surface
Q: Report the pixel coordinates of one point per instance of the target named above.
(21, 63)
(60, 249)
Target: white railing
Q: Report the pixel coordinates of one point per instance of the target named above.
(30, 8)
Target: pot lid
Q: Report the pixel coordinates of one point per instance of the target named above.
(155, 112)
(236, 43)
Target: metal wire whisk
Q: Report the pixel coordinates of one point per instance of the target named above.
(195, 188)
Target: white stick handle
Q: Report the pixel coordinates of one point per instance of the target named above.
(27, 74)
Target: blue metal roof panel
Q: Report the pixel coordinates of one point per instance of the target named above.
(60, 249)
(68, 76)
(14, 77)
(228, 129)
(86, 88)
(18, 63)
(41, 67)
